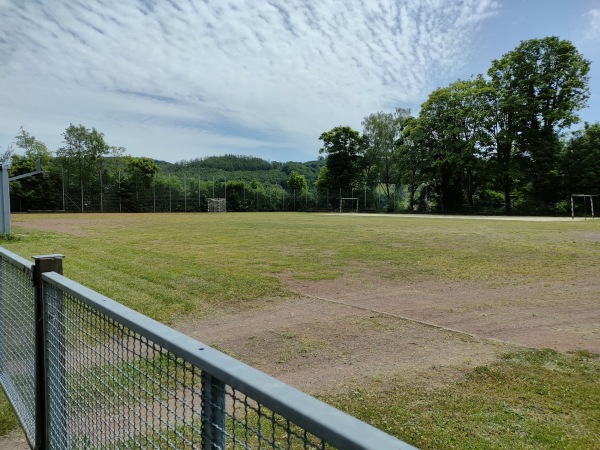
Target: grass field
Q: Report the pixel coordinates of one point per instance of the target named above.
(197, 271)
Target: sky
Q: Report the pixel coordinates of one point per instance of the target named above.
(177, 80)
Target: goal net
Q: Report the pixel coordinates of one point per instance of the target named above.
(585, 199)
(217, 205)
(349, 204)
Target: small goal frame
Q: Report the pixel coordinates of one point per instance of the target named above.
(584, 196)
(349, 198)
(217, 205)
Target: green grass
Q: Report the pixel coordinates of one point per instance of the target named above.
(174, 266)
(532, 399)
(168, 265)
(8, 419)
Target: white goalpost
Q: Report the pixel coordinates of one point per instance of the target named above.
(352, 201)
(217, 205)
(584, 196)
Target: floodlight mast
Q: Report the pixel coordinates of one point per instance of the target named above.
(5, 192)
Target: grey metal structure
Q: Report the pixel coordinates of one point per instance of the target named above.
(115, 378)
(4, 199)
(5, 192)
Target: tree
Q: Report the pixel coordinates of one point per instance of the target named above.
(6, 155)
(581, 161)
(345, 149)
(33, 149)
(37, 192)
(452, 123)
(384, 134)
(539, 88)
(82, 157)
(297, 182)
(413, 158)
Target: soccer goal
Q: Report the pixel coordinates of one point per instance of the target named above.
(585, 197)
(349, 202)
(217, 205)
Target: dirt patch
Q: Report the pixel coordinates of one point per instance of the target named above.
(559, 315)
(75, 227)
(316, 345)
(15, 440)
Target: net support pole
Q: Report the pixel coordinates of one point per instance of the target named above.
(572, 209)
(592, 205)
(45, 263)
(4, 199)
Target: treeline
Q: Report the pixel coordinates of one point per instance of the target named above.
(87, 174)
(247, 168)
(492, 144)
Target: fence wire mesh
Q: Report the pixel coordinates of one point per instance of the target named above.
(111, 378)
(110, 387)
(17, 340)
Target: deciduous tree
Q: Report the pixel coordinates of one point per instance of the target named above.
(384, 134)
(345, 149)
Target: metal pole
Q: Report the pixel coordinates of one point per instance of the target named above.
(4, 199)
(184, 193)
(572, 209)
(45, 263)
(592, 205)
(120, 206)
(213, 413)
(101, 194)
(62, 168)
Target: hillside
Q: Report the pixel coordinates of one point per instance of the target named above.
(246, 168)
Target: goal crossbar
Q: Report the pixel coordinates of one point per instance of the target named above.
(349, 198)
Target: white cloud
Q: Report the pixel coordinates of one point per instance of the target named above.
(593, 31)
(231, 76)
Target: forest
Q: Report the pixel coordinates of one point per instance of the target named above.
(500, 143)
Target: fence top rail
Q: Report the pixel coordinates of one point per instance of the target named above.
(16, 259)
(318, 418)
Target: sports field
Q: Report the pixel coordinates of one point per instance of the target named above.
(447, 333)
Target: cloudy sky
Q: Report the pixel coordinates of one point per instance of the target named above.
(182, 79)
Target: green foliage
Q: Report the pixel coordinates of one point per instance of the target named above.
(538, 89)
(384, 133)
(33, 148)
(81, 158)
(453, 132)
(297, 182)
(345, 150)
(581, 161)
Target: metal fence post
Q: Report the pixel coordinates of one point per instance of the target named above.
(46, 263)
(2, 318)
(213, 413)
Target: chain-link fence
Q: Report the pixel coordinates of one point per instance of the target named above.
(263, 198)
(17, 338)
(117, 379)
